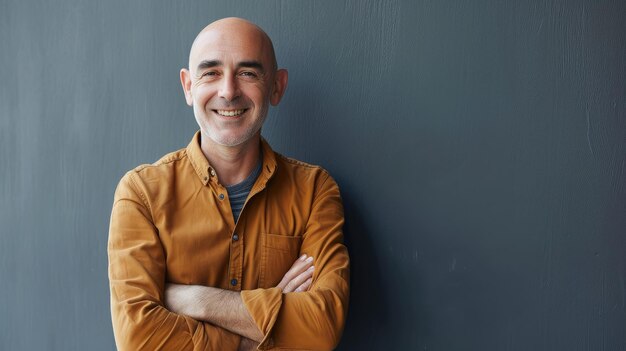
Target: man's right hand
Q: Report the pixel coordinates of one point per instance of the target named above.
(299, 276)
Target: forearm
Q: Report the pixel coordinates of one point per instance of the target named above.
(223, 308)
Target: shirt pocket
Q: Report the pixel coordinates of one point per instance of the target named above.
(279, 252)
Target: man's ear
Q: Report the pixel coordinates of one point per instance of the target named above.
(185, 81)
(280, 85)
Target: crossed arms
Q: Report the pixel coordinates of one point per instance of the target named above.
(225, 308)
(150, 314)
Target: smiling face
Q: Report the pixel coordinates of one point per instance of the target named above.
(231, 81)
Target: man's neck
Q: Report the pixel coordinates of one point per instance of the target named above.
(232, 163)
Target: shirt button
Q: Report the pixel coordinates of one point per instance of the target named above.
(235, 237)
(221, 196)
(233, 282)
(212, 172)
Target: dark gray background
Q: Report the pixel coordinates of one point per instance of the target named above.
(479, 145)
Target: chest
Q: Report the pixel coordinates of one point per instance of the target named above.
(203, 245)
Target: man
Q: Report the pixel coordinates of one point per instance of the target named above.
(227, 245)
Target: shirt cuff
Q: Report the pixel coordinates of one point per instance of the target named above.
(263, 305)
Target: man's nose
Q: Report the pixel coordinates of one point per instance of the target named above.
(229, 88)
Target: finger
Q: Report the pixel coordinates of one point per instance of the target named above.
(293, 284)
(301, 278)
(305, 286)
(299, 266)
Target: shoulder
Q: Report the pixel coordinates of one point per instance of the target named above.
(162, 172)
(164, 164)
(304, 174)
(298, 167)
(297, 164)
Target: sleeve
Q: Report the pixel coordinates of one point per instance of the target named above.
(311, 320)
(137, 281)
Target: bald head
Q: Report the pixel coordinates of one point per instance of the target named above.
(234, 32)
(232, 80)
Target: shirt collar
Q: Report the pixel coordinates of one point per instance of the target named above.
(205, 172)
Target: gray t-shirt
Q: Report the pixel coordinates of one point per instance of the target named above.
(238, 193)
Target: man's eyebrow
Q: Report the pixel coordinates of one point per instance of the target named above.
(247, 64)
(208, 64)
(251, 64)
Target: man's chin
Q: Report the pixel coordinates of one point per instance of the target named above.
(230, 140)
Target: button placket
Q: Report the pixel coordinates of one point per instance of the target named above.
(236, 259)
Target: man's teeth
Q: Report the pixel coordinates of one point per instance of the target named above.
(230, 113)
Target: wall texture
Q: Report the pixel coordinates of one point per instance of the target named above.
(480, 147)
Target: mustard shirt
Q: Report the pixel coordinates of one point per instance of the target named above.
(172, 222)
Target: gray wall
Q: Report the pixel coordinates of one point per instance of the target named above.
(480, 147)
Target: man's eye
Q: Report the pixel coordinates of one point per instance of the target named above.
(248, 74)
(209, 74)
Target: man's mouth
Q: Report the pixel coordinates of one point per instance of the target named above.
(230, 113)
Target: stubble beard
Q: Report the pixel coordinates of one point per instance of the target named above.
(232, 140)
